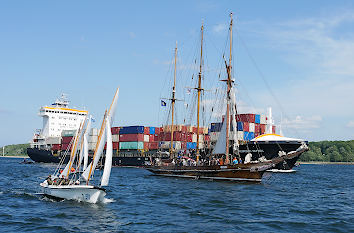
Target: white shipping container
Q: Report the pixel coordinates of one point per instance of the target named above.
(240, 135)
(194, 138)
(53, 140)
(146, 138)
(93, 139)
(201, 138)
(263, 119)
(166, 145)
(115, 138)
(201, 145)
(94, 131)
(251, 127)
(214, 136)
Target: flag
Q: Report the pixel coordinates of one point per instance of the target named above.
(188, 91)
(163, 103)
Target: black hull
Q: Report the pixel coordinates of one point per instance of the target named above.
(271, 150)
(42, 156)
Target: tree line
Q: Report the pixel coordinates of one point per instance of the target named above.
(330, 151)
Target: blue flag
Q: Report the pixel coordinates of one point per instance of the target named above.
(163, 103)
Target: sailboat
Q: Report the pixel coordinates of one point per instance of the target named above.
(74, 184)
(219, 165)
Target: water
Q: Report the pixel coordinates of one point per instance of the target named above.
(315, 198)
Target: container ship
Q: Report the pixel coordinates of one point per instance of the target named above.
(138, 145)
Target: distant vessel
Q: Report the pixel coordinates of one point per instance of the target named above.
(45, 144)
(67, 183)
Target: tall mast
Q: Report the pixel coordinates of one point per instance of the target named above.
(173, 100)
(199, 87)
(229, 83)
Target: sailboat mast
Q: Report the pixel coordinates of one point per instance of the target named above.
(199, 87)
(227, 161)
(173, 100)
(73, 151)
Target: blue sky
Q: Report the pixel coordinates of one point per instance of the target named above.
(303, 49)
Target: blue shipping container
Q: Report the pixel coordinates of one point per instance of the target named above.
(257, 119)
(215, 127)
(191, 145)
(132, 130)
(152, 130)
(239, 126)
(248, 136)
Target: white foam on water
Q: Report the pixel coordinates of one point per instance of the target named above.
(108, 200)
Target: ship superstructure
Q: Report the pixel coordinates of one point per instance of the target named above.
(56, 118)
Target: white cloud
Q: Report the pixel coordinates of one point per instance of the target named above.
(302, 123)
(350, 124)
(220, 28)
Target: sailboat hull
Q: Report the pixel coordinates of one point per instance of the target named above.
(82, 193)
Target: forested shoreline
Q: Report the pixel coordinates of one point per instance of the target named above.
(323, 151)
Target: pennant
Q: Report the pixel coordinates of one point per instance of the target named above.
(163, 103)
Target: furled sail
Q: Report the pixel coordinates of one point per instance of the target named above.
(109, 153)
(220, 146)
(234, 136)
(85, 142)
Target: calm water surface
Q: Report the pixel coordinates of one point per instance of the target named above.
(316, 198)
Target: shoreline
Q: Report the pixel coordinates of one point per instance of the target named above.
(14, 156)
(323, 163)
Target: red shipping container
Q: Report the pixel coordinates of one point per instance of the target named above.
(156, 138)
(151, 138)
(184, 128)
(189, 137)
(183, 145)
(66, 140)
(207, 138)
(146, 146)
(247, 118)
(161, 129)
(257, 128)
(115, 145)
(263, 128)
(146, 130)
(115, 130)
(256, 134)
(56, 147)
(246, 126)
(273, 129)
(131, 137)
(65, 147)
(157, 130)
(153, 145)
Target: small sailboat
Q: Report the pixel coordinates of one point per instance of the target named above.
(74, 183)
(221, 162)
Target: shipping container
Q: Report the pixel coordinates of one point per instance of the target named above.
(115, 138)
(151, 138)
(247, 117)
(67, 139)
(152, 130)
(53, 140)
(146, 130)
(251, 127)
(239, 126)
(263, 128)
(257, 119)
(92, 146)
(273, 129)
(246, 127)
(66, 146)
(131, 130)
(153, 145)
(131, 145)
(263, 119)
(131, 137)
(167, 145)
(194, 138)
(240, 135)
(248, 136)
(215, 127)
(191, 145)
(56, 146)
(207, 138)
(214, 136)
(115, 130)
(68, 133)
(93, 139)
(146, 138)
(257, 128)
(115, 145)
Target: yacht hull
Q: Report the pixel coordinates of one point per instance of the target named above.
(81, 193)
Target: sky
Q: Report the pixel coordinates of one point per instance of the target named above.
(294, 56)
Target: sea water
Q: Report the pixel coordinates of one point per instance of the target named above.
(316, 198)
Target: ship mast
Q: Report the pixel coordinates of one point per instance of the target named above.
(173, 100)
(199, 89)
(229, 83)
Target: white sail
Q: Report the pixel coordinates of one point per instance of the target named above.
(73, 153)
(234, 136)
(109, 153)
(93, 164)
(220, 146)
(101, 142)
(85, 146)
